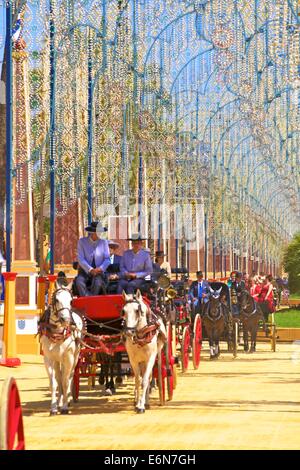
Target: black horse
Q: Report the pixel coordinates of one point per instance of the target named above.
(250, 315)
(215, 317)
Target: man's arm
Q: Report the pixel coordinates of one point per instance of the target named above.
(148, 268)
(106, 255)
(81, 258)
(123, 268)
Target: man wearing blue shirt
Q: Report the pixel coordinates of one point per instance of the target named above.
(93, 259)
(135, 265)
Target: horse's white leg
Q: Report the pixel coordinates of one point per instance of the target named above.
(57, 370)
(146, 381)
(50, 368)
(67, 366)
(136, 371)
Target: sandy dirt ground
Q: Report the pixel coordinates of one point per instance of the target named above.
(251, 402)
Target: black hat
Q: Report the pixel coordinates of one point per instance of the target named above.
(136, 237)
(159, 253)
(199, 273)
(95, 227)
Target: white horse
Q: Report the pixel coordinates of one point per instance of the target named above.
(143, 343)
(60, 335)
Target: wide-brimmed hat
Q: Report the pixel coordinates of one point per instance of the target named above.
(113, 243)
(159, 254)
(95, 227)
(136, 237)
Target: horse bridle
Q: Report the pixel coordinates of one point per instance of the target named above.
(130, 301)
(53, 306)
(245, 308)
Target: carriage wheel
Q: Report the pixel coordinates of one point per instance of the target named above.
(173, 328)
(197, 341)
(76, 383)
(185, 344)
(161, 374)
(169, 362)
(11, 421)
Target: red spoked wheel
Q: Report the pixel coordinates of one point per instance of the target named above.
(185, 346)
(76, 383)
(197, 341)
(160, 373)
(170, 361)
(11, 420)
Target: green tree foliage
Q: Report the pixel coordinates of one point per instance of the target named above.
(291, 262)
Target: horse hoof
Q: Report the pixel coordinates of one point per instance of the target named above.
(108, 392)
(64, 412)
(53, 413)
(140, 410)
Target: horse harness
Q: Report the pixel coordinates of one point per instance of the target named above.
(48, 328)
(213, 319)
(144, 335)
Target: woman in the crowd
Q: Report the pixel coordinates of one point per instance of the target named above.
(255, 287)
(266, 297)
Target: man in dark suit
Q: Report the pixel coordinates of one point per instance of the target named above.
(199, 293)
(113, 270)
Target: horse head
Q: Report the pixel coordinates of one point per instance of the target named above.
(61, 304)
(134, 313)
(214, 301)
(245, 300)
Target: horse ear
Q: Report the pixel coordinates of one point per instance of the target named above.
(211, 290)
(138, 295)
(219, 291)
(125, 297)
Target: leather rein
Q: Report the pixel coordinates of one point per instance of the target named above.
(144, 335)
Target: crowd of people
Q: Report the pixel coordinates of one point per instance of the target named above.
(102, 270)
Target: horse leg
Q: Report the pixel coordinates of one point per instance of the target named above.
(111, 368)
(145, 382)
(245, 336)
(253, 337)
(53, 384)
(211, 347)
(137, 378)
(119, 379)
(66, 371)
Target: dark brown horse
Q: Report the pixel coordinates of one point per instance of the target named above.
(214, 321)
(250, 315)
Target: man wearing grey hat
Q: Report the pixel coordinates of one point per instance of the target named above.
(93, 259)
(136, 264)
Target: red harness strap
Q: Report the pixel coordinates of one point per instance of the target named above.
(145, 335)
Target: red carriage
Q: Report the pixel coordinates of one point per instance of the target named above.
(103, 352)
(186, 330)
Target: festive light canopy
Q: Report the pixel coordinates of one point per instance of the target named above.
(205, 93)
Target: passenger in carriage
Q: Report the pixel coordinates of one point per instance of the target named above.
(93, 259)
(199, 293)
(136, 265)
(236, 285)
(113, 270)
